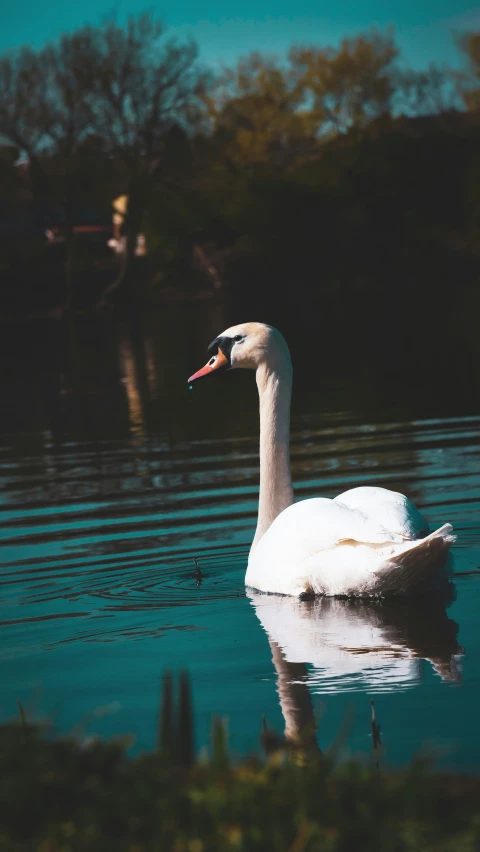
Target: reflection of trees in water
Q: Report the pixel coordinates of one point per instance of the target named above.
(373, 646)
(104, 380)
(70, 381)
(126, 380)
(135, 390)
(156, 355)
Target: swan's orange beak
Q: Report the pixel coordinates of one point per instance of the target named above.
(217, 362)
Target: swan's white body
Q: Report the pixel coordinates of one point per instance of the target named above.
(363, 543)
(366, 542)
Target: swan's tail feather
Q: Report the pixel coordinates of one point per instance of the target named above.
(417, 565)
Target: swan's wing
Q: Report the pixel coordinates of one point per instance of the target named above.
(323, 546)
(311, 526)
(390, 510)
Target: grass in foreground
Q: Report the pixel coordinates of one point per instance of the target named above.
(61, 796)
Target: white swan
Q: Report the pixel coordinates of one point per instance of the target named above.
(366, 542)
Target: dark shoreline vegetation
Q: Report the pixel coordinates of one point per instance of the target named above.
(64, 795)
(334, 176)
(333, 193)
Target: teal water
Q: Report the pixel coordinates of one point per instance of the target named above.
(114, 479)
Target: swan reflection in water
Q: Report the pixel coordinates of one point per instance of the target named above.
(375, 646)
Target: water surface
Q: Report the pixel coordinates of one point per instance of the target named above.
(116, 482)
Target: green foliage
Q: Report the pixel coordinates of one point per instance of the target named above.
(349, 86)
(258, 114)
(257, 177)
(61, 796)
(470, 44)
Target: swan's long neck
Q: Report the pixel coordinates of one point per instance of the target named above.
(276, 493)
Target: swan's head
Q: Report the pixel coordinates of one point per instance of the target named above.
(248, 345)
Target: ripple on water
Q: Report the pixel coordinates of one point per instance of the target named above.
(96, 531)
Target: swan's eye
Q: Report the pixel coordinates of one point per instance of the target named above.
(238, 338)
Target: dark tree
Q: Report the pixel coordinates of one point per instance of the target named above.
(349, 86)
(20, 97)
(143, 87)
(470, 81)
(429, 92)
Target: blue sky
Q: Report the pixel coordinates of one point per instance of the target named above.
(227, 30)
